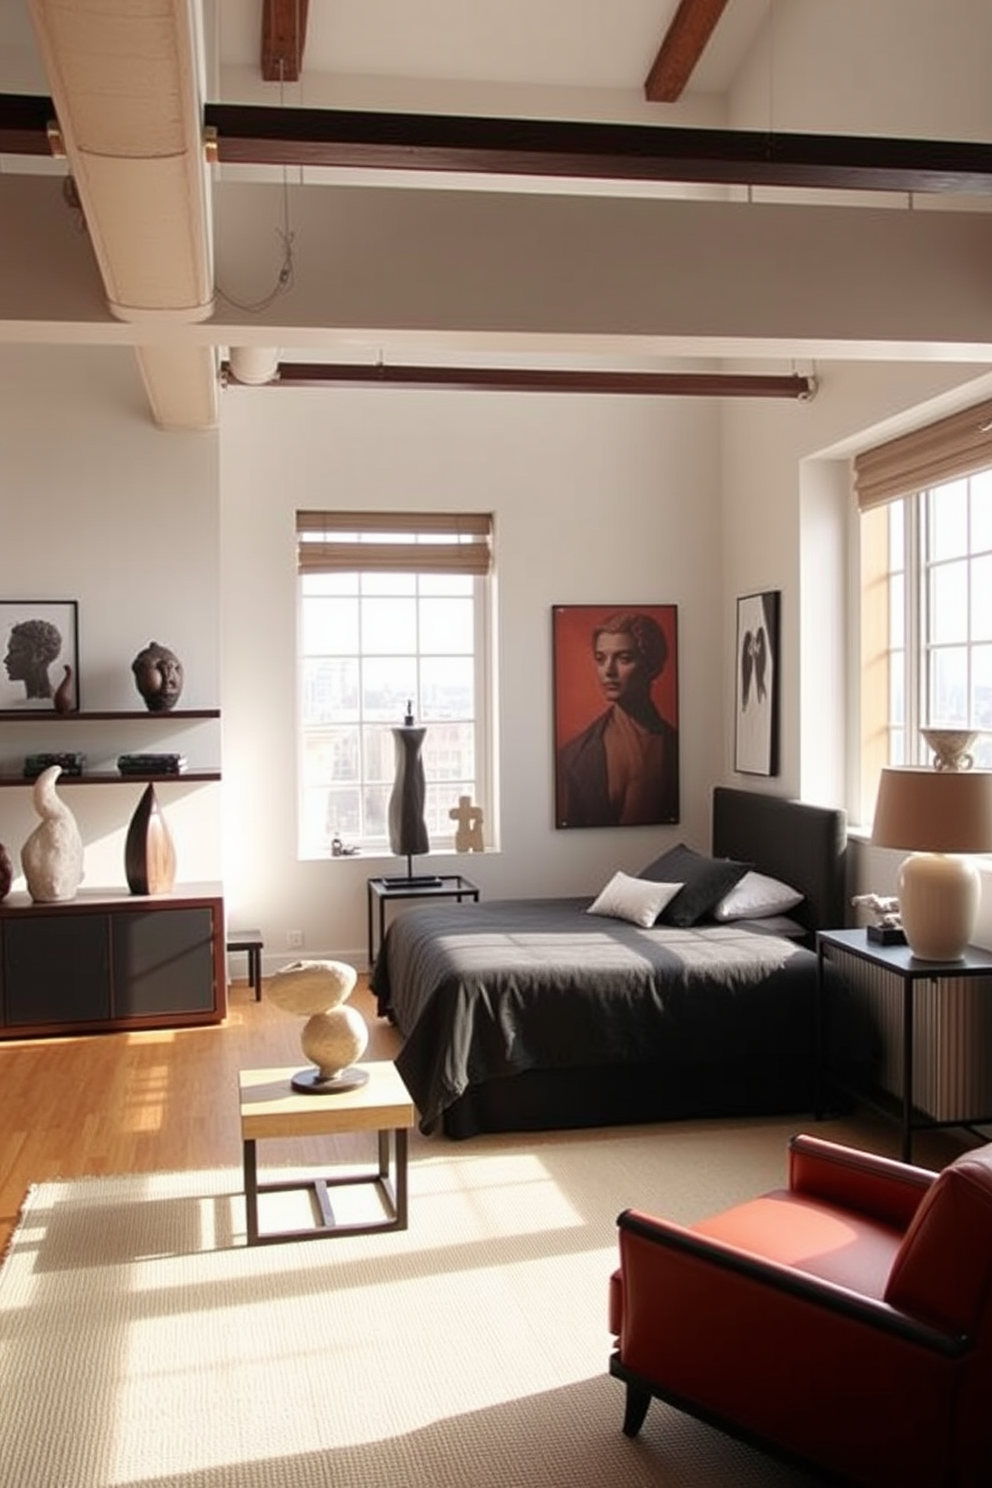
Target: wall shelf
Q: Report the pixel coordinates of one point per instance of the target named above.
(114, 777)
(165, 720)
(33, 715)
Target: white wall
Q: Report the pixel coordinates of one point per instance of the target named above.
(786, 513)
(787, 522)
(100, 507)
(596, 500)
(189, 540)
(893, 67)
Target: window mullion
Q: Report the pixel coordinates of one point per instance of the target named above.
(917, 623)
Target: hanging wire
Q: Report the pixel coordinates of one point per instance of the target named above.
(286, 275)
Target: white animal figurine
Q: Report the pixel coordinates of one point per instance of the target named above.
(52, 857)
(884, 909)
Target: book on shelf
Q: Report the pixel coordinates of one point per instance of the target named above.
(70, 764)
(151, 764)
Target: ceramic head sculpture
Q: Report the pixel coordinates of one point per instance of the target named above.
(158, 676)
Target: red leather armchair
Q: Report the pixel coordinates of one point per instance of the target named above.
(843, 1322)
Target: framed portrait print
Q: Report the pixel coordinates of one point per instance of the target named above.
(616, 715)
(756, 664)
(40, 653)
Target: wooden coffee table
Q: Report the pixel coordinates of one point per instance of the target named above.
(271, 1108)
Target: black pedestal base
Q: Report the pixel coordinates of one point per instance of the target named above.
(312, 1082)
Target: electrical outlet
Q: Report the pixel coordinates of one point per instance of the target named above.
(294, 940)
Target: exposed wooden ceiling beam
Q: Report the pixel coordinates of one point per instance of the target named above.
(558, 148)
(284, 34)
(683, 45)
(542, 380)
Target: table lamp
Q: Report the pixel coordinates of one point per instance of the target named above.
(938, 815)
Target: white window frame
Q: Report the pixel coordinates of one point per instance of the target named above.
(957, 449)
(348, 535)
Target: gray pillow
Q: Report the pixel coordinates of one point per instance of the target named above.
(704, 882)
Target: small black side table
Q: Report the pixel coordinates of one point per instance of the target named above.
(249, 941)
(900, 961)
(387, 890)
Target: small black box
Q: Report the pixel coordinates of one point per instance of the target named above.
(886, 935)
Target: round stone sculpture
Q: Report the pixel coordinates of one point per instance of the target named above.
(334, 1036)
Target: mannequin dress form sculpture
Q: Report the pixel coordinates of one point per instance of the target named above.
(333, 1036)
(52, 857)
(407, 828)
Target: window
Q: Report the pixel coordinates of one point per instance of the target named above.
(393, 614)
(926, 578)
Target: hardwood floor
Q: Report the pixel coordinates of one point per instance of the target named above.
(168, 1100)
(140, 1102)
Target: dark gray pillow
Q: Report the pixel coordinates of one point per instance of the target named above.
(704, 882)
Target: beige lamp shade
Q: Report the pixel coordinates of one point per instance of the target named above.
(940, 811)
(938, 816)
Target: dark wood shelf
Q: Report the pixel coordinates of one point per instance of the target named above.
(114, 777)
(33, 715)
(114, 715)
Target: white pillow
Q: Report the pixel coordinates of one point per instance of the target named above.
(756, 896)
(635, 899)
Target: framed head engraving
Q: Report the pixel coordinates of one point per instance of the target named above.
(40, 656)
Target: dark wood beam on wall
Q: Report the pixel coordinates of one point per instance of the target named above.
(541, 380)
(24, 122)
(284, 34)
(248, 134)
(254, 135)
(684, 43)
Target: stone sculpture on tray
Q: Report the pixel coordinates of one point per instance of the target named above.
(52, 857)
(333, 1036)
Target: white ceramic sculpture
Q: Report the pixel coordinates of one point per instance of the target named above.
(333, 1036)
(951, 747)
(52, 857)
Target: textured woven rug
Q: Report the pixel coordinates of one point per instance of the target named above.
(142, 1342)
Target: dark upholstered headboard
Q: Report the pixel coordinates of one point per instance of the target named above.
(803, 845)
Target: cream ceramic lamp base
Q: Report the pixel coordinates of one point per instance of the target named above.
(939, 896)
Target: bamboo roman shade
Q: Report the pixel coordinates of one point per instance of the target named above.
(944, 451)
(394, 542)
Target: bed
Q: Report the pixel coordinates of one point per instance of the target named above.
(534, 1014)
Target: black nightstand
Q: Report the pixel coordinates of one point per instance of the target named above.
(900, 961)
(387, 890)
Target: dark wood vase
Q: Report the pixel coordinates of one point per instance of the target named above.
(64, 700)
(149, 852)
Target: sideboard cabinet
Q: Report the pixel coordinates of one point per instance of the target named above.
(104, 961)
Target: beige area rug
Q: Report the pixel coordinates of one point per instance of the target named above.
(142, 1342)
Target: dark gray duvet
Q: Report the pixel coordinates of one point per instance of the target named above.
(485, 991)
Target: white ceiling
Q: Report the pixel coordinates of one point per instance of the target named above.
(571, 45)
(166, 227)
